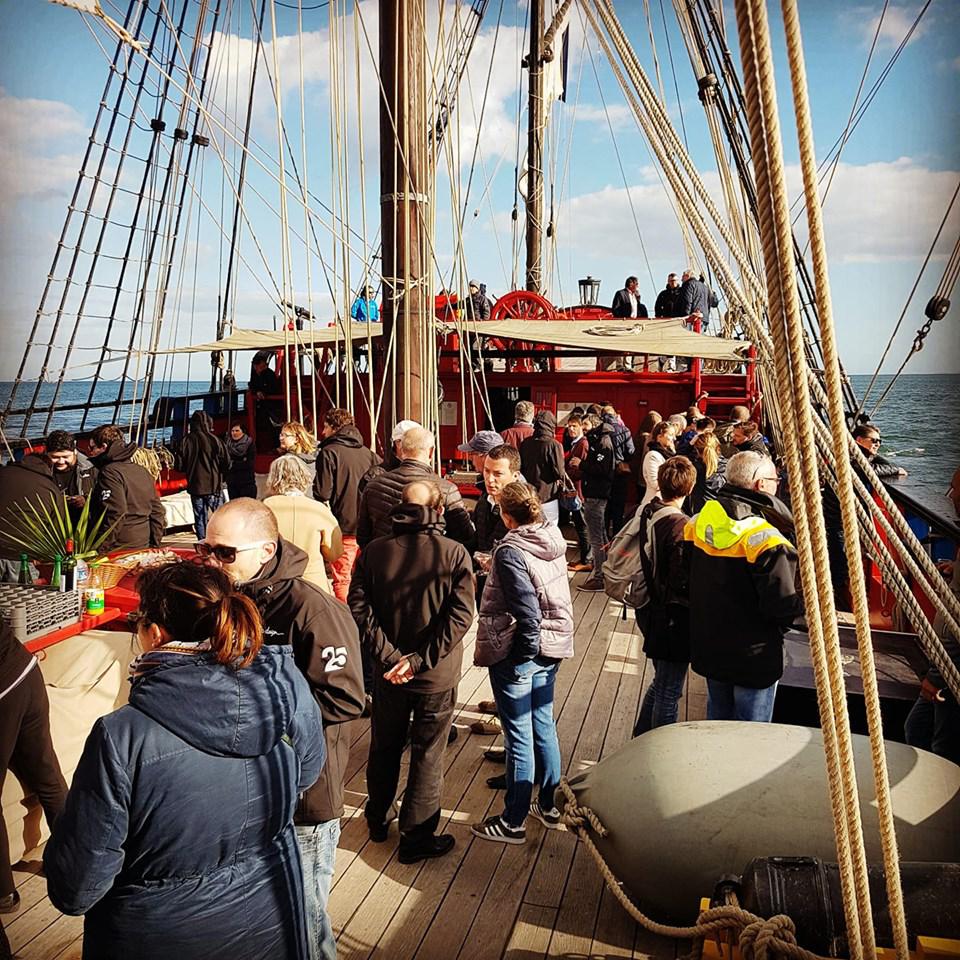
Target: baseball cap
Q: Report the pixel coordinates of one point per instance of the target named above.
(481, 442)
(401, 428)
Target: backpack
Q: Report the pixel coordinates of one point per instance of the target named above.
(628, 574)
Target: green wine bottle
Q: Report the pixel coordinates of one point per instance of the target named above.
(25, 577)
(56, 578)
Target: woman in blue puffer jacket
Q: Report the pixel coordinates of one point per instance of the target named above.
(525, 630)
(177, 839)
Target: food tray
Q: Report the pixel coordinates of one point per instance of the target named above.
(34, 611)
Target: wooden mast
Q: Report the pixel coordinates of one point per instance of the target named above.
(535, 126)
(404, 189)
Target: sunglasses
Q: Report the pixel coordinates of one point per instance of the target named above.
(223, 553)
(874, 441)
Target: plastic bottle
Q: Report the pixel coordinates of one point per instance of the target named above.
(24, 576)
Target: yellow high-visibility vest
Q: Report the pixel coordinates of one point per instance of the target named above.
(719, 535)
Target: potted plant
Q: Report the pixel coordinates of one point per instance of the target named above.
(42, 530)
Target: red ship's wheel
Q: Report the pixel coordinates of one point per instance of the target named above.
(524, 305)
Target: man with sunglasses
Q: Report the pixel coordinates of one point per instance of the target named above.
(743, 594)
(868, 439)
(243, 540)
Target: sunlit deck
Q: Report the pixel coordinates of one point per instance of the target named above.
(483, 900)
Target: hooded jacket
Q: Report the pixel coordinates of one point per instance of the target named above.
(412, 596)
(79, 480)
(596, 469)
(241, 474)
(177, 838)
(385, 492)
(669, 302)
(23, 482)
(743, 594)
(621, 437)
(326, 648)
(203, 458)
(126, 494)
(342, 462)
(526, 610)
(541, 458)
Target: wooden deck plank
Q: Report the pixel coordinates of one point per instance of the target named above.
(530, 936)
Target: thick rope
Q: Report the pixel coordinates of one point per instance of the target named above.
(759, 939)
(858, 590)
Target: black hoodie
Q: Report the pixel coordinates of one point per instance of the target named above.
(342, 463)
(126, 494)
(326, 648)
(541, 458)
(596, 470)
(29, 480)
(203, 458)
(412, 596)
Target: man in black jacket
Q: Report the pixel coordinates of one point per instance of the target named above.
(669, 300)
(412, 598)
(243, 540)
(541, 461)
(264, 384)
(596, 481)
(743, 594)
(22, 483)
(747, 436)
(342, 463)
(126, 493)
(626, 302)
(203, 458)
(73, 473)
(383, 493)
(868, 439)
(623, 453)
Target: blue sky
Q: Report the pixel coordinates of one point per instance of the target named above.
(898, 172)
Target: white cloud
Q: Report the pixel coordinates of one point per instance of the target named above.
(897, 21)
(620, 115)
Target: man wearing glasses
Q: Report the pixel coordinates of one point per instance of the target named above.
(243, 540)
(868, 438)
(743, 594)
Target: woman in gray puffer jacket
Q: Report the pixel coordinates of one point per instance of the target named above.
(525, 630)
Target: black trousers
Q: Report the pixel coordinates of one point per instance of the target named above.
(617, 502)
(27, 751)
(398, 711)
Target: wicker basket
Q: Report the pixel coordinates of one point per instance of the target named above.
(110, 574)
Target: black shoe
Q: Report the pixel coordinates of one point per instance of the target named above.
(496, 754)
(367, 706)
(435, 846)
(378, 831)
(499, 782)
(452, 736)
(10, 903)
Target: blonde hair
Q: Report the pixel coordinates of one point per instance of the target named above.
(287, 474)
(304, 441)
(707, 447)
(521, 503)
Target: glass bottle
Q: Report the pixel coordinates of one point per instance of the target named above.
(24, 577)
(69, 569)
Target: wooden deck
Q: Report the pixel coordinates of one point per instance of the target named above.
(483, 900)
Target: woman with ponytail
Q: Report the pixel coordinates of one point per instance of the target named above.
(177, 839)
(525, 630)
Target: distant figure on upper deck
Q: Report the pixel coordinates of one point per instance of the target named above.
(365, 307)
(626, 302)
(670, 299)
(478, 303)
(696, 298)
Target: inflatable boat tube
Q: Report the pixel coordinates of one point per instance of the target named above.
(688, 803)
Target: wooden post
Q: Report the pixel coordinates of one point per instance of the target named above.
(404, 188)
(535, 127)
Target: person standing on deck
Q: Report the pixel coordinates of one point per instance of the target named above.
(522, 425)
(868, 439)
(125, 493)
(265, 384)
(659, 450)
(525, 630)
(412, 598)
(393, 458)
(73, 473)
(241, 475)
(478, 303)
(665, 620)
(243, 540)
(541, 461)
(747, 437)
(478, 446)
(626, 302)
(696, 298)
(365, 307)
(743, 594)
(177, 837)
(342, 463)
(669, 299)
(26, 749)
(204, 460)
(296, 440)
(596, 480)
(501, 466)
(577, 451)
(623, 451)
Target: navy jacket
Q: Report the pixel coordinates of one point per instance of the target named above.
(177, 839)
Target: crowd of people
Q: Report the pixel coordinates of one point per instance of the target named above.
(348, 590)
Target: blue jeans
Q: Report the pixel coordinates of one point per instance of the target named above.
(662, 697)
(727, 701)
(202, 508)
(318, 852)
(524, 696)
(594, 512)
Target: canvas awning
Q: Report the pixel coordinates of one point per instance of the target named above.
(664, 337)
(277, 339)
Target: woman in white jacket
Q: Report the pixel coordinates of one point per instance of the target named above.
(659, 450)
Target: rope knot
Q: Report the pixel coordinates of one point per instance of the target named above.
(764, 939)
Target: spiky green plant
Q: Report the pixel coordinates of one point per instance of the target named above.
(42, 529)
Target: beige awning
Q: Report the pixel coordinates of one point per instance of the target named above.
(664, 337)
(276, 339)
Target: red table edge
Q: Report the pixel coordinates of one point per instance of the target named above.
(64, 633)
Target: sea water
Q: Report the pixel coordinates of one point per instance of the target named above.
(917, 419)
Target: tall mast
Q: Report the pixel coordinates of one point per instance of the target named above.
(404, 190)
(535, 125)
